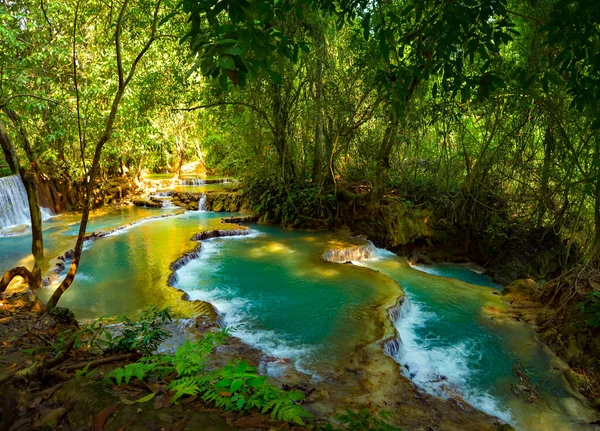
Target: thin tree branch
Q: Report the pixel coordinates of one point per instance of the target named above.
(79, 130)
(33, 96)
(118, 44)
(529, 18)
(213, 105)
(146, 47)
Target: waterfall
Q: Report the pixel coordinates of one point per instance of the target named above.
(14, 207)
(349, 254)
(394, 346)
(202, 206)
(192, 182)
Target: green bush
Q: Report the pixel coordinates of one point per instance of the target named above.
(363, 420)
(591, 308)
(143, 335)
(298, 204)
(234, 387)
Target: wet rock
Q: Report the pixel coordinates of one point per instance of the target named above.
(229, 201)
(220, 233)
(208, 317)
(62, 314)
(181, 261)
(415, 257)
(523, 287)
(241, 219)
(576, 380)
(147, 203)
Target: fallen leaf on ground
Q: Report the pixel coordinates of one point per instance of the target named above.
(180, 424)
(100, 418)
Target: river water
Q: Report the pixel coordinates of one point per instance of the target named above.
(273, 286)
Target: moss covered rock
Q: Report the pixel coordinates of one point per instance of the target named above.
(391, 223)
(523, 287)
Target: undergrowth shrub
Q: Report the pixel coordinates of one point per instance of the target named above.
(363, 420)
(235, 387)
(296, 204)
(121, 334)
(591, 307)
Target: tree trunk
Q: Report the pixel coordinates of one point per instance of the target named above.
(383, 159)
(280, 121)
(317, 172)
(596, 163)
(543, 202)
(28, 178)
(66, 283)
(9, 150)
(19, 271)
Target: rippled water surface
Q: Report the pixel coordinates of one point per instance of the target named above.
(290, 303)
(453, 346)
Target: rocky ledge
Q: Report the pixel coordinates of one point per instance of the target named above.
(349, 253)
(64, 258)
(241, 219)
(147, 203)
(218, 201)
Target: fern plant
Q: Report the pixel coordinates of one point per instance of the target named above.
(235, 387)
(363, 420)
(143, 335)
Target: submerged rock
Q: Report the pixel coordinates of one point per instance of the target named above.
(348, 254)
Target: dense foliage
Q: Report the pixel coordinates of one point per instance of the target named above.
(483, 111)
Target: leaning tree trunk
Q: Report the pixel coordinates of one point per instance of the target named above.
(33, 278)
(103, 139)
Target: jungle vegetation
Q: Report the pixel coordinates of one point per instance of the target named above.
(484, 111)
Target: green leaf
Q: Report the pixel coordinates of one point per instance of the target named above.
(366, 25)
(240, 403)
(236, 385)
(226, 62)
(223, 383)
(146, 398)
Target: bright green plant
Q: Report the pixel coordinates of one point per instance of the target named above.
(143, 335)
(238, 387)
(363, 420)
(234, 387)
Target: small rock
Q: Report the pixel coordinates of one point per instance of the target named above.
(50, 418)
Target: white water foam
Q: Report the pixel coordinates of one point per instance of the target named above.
(202, 204)
(440, 370)
(192, 182)
(237, 311)
(141, 222)
(428, 269)
(14, 206)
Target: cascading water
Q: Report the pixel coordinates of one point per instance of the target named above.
(202, 206)
(192, 182)
(350, 253)
(14, 207)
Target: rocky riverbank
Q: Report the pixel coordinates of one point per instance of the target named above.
(564, 330)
